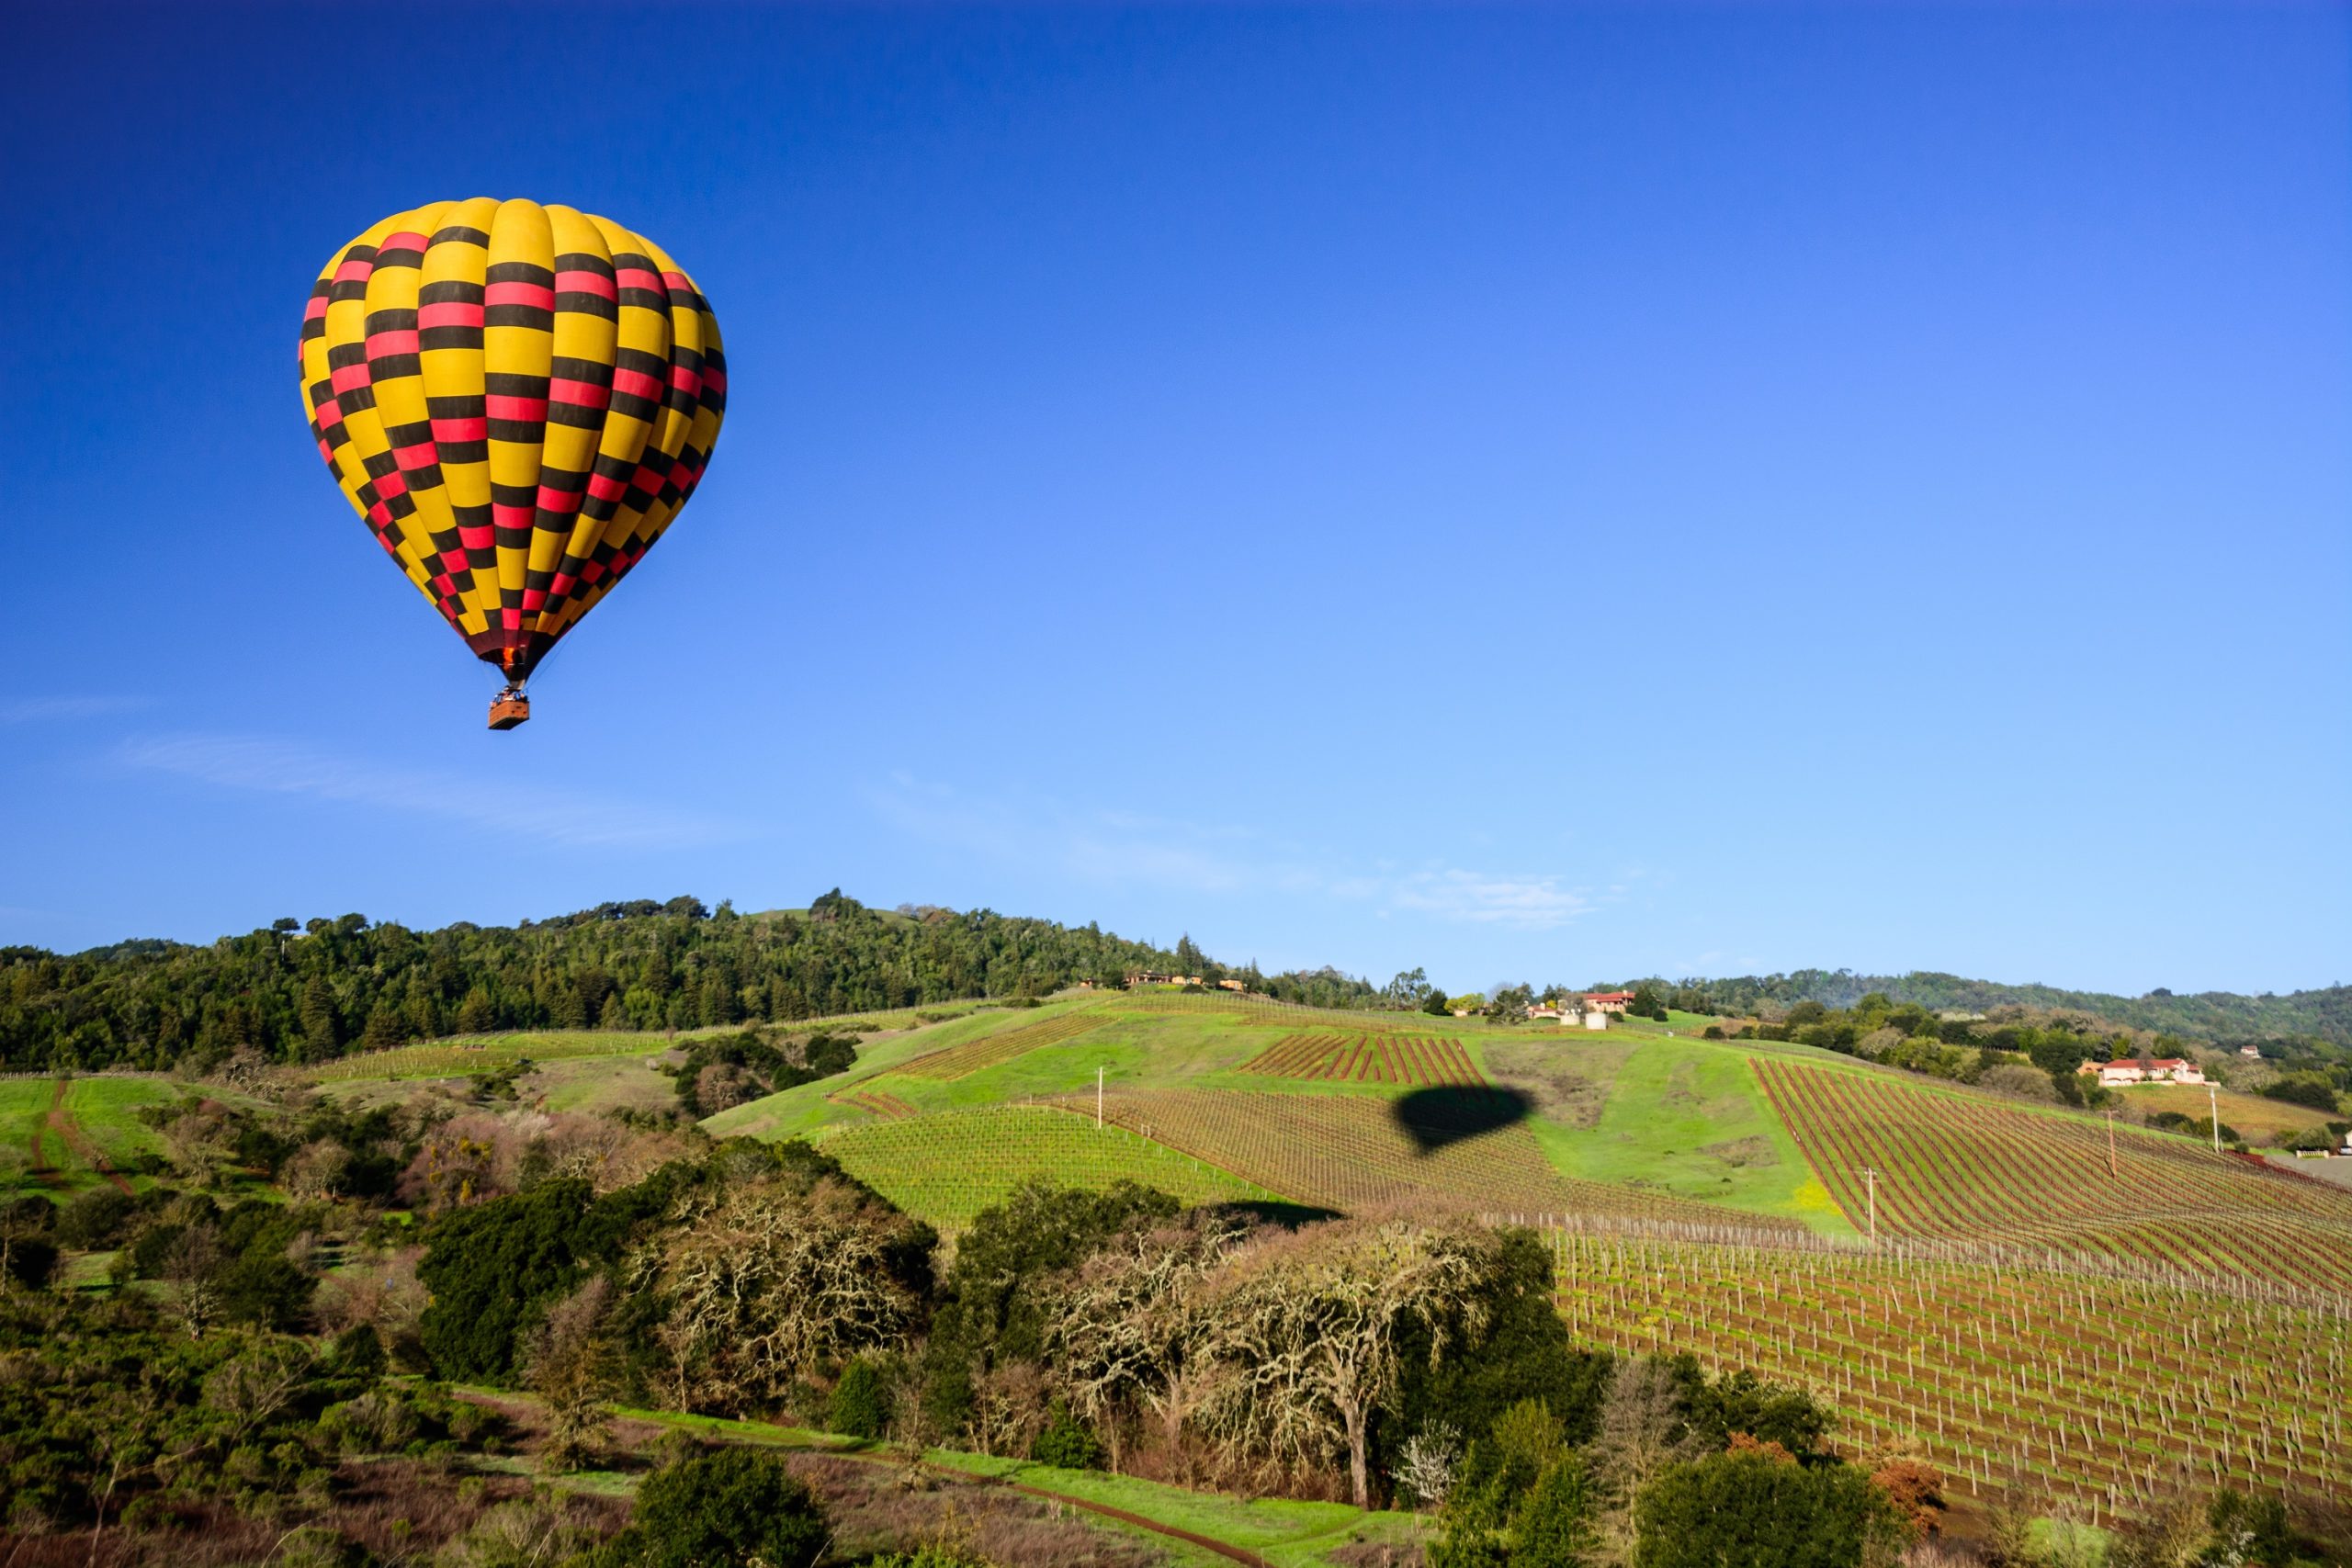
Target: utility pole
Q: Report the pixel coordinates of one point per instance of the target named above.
(1870, 1181)
(2213, 1104)
(1098, 1098)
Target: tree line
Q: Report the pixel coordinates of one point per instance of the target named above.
(2323, 1015)
(301, 991)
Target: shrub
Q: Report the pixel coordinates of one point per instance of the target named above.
(1066, 1441)
(1554, 1527)
(735, 1505)
(94, 1219)
(28, 1260)
(1752, 1509)
(2304, 1088)
(861, 1402)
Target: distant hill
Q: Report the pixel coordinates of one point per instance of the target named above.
(2323, 1014)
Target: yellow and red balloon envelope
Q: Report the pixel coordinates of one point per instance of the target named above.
(517, 399)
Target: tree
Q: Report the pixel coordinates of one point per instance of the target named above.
(1554, 1527)
(1757, 1510)
(760, 1283)
(861, 1405)
(1132, 1325)
(491, 1265)
(1509, 1004)
(321, 1031)
(1404, 992)
(737, 1506)
(1641, 1433)
(571, 1365)
(475, 1014)
(383, 1029)
(1741, 1401)
(1309, 1327)
(1522, 1352)
(1435, 1003)
(992, 1305)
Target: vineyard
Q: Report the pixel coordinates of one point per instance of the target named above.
(481, 1054)
(1954, 1166)
(1264, 1012)
(988, 1050)
(1350, 1153)
(1416, 1060)
(2053, 1383)
(948, 1168)
(890, 1107)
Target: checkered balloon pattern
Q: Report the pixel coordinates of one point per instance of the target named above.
(517, 399)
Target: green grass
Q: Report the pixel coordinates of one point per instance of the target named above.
(1636, 1105)
(24, 1125)
(590, 1085)
(1287, 1533)
(106, 1110)
(1690, 1120)
(1282, 1530)
(463, 1054)
(946, 1167)
(103, 1109)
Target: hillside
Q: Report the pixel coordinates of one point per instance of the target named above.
(1700, 1197)
(2321, 1014)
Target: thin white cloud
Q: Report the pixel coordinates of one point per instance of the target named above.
(1115, 847)
(552, 816)
(31, 710)
(1523, 903)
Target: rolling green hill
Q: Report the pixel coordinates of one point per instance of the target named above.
(2324, 1013)
(1642, 1124)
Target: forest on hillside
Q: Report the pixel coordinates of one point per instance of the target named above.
(299, 991)
(2220, 1016)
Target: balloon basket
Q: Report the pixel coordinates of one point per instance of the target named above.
(508, 709)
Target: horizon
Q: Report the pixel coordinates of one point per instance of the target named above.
(1509, 492)
(1155, 940)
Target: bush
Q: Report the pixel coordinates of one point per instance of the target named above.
(2304, 1088)
(95, 1220)
(29, 1260)
(861, 1402)
(1554, 1527)
(1065, 1441)
(735, 1505)
(1755, 1509)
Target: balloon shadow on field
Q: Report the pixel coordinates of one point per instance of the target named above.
(1433, 1118)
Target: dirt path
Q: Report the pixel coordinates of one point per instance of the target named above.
(512, 1404)
(1223, 1549)
(40, 1168)
(69, 1133)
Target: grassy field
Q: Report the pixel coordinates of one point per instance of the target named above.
(2259, 1119)
(1286, 1533)
(1644, 1119)
(64, 1135)
(1690, 1120)
(462, 1055)
(946, 1167)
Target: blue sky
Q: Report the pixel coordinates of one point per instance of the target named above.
(1542, 493)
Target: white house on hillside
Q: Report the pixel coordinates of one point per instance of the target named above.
(2131, 1070)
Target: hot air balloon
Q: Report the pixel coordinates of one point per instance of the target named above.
(517, 399)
